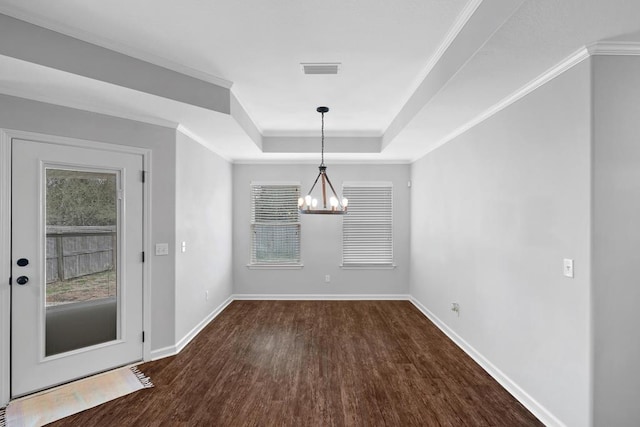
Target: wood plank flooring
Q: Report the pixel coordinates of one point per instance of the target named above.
(315, 363)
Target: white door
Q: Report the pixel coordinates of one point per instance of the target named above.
(76, 250)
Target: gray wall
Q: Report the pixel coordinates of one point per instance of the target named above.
(321, 236)
(203, 221)
(494, 212)
(616, 240)
(32, 116)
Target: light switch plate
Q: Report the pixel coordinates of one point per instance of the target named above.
(568, 267)
(162, 249)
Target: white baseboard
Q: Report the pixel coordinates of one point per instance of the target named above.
(522, 396)
(333, 297)
(163, 352)
(200, 326)
(172, 350)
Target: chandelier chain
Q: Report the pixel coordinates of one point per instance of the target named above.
(322, 151)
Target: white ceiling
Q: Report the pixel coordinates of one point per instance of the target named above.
(388, 50)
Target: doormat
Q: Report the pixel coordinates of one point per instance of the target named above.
(51, 405)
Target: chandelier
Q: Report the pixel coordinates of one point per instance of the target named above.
(309, 204)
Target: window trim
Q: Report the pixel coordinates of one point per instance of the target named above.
(275, 266)
(368, 266)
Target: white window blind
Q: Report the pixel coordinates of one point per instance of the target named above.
(367, 228)
(275, 224)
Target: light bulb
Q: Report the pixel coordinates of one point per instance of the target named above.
(333, 202)
(314, 203)
(307, 200)
(300, 202)
(345, 202)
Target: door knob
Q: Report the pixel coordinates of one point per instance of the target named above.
(23, 262)
(22, 280)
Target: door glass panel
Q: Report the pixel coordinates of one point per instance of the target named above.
(81, 302)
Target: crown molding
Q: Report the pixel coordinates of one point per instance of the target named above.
(113, 113)
(87, 107)
(441, 64)
(606, 48)
(314, 133)
(462, 19)
(332, 162)
(116, 47)
(477, 23)
(333, 144)
(621, 48)
(197, 138)
(553, 72)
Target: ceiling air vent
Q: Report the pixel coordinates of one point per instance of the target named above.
(320, 68)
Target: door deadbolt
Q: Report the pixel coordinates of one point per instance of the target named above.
(23, 262)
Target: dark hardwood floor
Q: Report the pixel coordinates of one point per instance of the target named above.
(315, 363)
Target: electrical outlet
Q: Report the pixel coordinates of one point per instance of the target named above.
(455, 307)
(327, 278)
(183, 248)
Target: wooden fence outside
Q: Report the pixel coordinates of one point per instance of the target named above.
(79, 251)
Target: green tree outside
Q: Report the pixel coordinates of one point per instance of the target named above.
(81, 198)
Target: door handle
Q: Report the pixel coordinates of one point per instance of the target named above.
(22, 280)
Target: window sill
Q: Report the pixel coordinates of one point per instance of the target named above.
(368, 266)
(275, 266)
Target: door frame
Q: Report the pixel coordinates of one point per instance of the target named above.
(6, 136)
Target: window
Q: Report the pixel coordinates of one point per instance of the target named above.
(367, 228)
(275, 224)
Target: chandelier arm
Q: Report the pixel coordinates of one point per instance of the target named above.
(334, 191)
(314, 184)
(324, 190)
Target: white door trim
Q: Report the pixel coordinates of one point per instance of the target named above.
(6, 135)
(5, 266)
